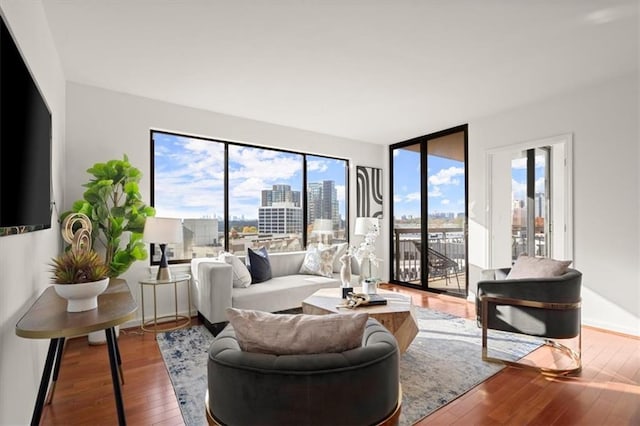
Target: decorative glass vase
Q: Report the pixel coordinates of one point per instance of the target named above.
(365, 270)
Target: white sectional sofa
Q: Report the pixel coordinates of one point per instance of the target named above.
(213, 290)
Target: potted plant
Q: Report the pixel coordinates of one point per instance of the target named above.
(114, 205)
(80, 276)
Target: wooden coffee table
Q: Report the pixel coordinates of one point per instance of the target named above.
(397, 315)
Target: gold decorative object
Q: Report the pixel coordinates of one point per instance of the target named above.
(80, 239)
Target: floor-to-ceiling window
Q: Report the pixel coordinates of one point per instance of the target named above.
(428, 246)
(232, 196)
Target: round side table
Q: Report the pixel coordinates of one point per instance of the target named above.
(152, 325)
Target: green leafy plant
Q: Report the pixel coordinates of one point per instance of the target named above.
(78, 267)
(114, 205)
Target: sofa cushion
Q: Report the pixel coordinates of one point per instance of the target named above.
(258, 265)
(537, 267)
(241, 275)
(286, 334)
(280, 293)
(318, 261)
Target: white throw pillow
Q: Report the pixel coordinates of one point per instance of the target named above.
(537, 267)
(286, 334)
(241, 275)
(318, 261)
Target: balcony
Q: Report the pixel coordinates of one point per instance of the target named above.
(446, 257)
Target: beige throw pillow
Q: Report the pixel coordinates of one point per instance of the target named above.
(537, 267)
(287, 334)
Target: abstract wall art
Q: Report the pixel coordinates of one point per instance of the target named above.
(369, 192)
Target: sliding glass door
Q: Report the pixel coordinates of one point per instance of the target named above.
(429, 247)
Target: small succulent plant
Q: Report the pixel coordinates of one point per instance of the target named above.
(78, 267)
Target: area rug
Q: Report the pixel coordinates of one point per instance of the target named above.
(443, 362)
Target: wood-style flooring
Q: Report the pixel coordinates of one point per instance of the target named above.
(606, 393)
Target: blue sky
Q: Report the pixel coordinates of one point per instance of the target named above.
(190, 172)
(445, 184)
(519, 176)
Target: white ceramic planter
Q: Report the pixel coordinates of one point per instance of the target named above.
(83, 296)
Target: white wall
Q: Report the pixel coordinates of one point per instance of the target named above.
(604, 122)
(104, 124)
(24, 258)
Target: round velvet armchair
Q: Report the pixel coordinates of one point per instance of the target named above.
(356, 387)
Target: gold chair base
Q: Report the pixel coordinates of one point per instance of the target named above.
(575, 356)
(547, 371)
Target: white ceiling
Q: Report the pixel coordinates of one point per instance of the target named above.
(371, 70)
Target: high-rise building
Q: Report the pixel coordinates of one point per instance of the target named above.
(322, 202)
(280, 211)
(280, 218)
(280, 194)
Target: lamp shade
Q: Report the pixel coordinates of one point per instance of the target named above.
(162, 230)
(364, 225)
(323, 226)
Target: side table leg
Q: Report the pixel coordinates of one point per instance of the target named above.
(44, 382)
(56, 369)
(115, 340)
(115, 377)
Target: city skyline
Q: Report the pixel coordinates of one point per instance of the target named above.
(191, 172)
(445, 184)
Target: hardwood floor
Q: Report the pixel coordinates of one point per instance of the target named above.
(606, 393)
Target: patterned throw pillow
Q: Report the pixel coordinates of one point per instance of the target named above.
(241, 275)
(318, 261)
(537, 267)
(259, 265)
(286, 334)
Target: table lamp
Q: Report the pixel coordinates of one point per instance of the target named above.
(163, 231)
(323, 228)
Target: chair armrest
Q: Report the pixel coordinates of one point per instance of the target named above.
(495, 274)
(562, 289)
(213, 283)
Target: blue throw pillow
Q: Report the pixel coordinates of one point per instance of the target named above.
(258, 265)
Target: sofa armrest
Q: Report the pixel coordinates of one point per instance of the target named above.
(212, 285)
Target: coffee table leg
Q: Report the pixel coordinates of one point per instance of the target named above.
(44, 382)
(115, 376)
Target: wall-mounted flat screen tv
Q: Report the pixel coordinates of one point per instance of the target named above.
(25, 145)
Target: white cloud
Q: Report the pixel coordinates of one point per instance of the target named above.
(520, 163)
(446, 176)
(317, 166)
(414, 196)
(518, 190)
(341, 191)
(435, 192)
(445, 202)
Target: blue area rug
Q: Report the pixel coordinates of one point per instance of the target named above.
(443, 362)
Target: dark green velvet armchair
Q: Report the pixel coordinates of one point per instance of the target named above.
(544, 307)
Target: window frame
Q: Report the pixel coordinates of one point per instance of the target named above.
(227, 144)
